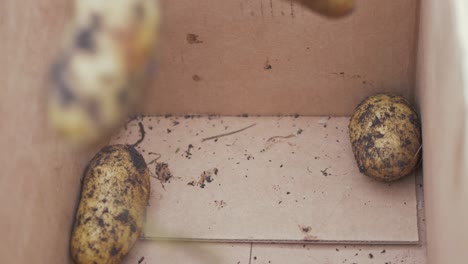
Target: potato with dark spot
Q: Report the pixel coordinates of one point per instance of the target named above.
(111, 212)
(105, 63)
(330, 8)
(385, 134)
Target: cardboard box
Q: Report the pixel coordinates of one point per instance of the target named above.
(253, 57)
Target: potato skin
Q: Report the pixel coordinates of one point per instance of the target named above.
(106, 61)
(330, 8)
(385, 134)
(110, 216)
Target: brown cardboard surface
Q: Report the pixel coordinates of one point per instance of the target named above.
(174, 253)
(276, 57)
(362, 254)
(285, 179)
(441, 83)
(151, 252)
(40, 176)
(318, 254)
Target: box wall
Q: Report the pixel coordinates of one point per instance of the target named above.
(40, 176)
(441, 81)
(318, 66)
(39, 183)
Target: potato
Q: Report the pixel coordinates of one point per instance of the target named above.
(330, 8)
(107, 58)
(385, 134)
(111, 212)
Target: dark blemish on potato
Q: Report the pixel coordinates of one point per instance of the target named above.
(137, 160)
(402, 164)
(131, 181)
(123, 216)
(175, 123)
(196, 78)
(414, 120)
(141, 260)
(192, 183)
(383, 251)
(93, 248)
(139, 11)
(87, 220)
(133, 228)
(371, 256)
(405, 143)
(267, 65)
(376, 122)
(193, 39)
(169, 131)
(300, 131)
(91, 192)
(114, 251)
(57, 76)
(94, 209)
(105, 211)
(104, 200)
(84, 40)
(367, 141)
(104, 239)
(100, 222)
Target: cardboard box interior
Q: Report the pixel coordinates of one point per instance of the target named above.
(262, 57)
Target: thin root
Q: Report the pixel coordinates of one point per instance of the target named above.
(227, 134)
(285, 137)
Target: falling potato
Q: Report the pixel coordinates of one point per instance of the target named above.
(106, 61)
(385, 134)
(330, 8)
